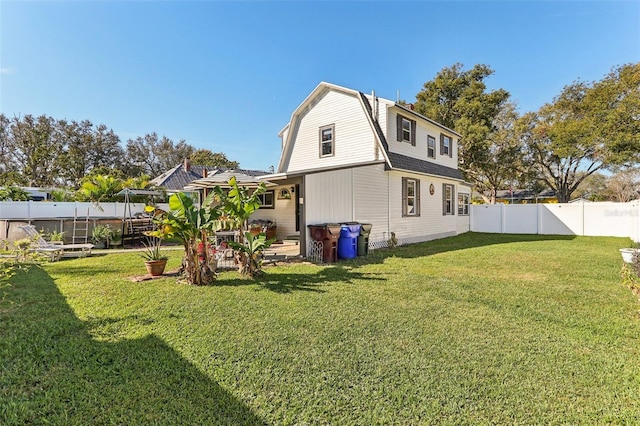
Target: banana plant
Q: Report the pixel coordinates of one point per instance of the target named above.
(192, 225)
(249, 253)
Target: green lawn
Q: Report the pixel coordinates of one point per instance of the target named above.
(476, 329)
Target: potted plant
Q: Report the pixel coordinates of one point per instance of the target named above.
(155, 259)
(259, 226)
(628, 253)
(56, 237)
(102, 235)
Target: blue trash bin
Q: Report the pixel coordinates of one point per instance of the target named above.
(348, 241)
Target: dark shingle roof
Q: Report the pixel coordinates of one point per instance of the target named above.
(177, 178)
(399, 161)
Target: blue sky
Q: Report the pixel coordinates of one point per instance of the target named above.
(226, 76)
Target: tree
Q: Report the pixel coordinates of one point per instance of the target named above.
(13, 193)
(153, 156)
(100, 189)
(592, 188)
(500, 163)
(588, 127)
(458, 99)
(624, 186)
(204, 157)
(33, 149)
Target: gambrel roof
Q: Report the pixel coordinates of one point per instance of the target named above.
(393, 161)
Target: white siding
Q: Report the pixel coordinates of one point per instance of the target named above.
(354, 139)
(284, 214)
(371, 200)
(431, 223)
(423, 130)
(329, 197)
(369, 194)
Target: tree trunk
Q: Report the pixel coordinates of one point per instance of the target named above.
(196, 265)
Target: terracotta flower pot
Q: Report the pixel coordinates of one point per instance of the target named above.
(155, 268)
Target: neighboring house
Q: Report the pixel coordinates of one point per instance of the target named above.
(348, 156)
(525, 196)
(175, 179)
(179, 178)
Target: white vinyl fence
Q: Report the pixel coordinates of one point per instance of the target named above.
(28, 210)
(593, 219)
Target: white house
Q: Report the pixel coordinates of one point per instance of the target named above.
(349, 156)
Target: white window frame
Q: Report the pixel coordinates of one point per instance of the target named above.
(431, 147)
(463, 204)
(446, 145)
(448, 200)
(331, 142)
(264, 204)
(406, 133)
(410, 203)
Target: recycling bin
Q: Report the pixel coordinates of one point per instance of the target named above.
(348, 241)
(363, 239)
(328, 234)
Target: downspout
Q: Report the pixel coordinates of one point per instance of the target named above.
(303, 218)
(389, 204)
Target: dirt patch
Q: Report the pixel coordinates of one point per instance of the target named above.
(147, 277)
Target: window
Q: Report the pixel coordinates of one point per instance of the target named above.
(446, 147)
(447, 199)
(266, 200)
(410, 197)
(406, 130)
(431, 147)
(463, 204)
(326, 141)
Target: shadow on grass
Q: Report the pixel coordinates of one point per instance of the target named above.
(54, 372)
(289, 282)
(460, 242)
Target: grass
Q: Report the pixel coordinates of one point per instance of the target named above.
(476, 329)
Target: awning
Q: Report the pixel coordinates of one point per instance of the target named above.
(221, 179)
(131, 191)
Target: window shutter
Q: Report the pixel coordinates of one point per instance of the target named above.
(399, 127)
(404, 196)
(441, 143)
(451, 147)
(444, 197)
(413, 132)
(417, 197)
(454, 200)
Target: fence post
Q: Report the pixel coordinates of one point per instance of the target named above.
(538, 218)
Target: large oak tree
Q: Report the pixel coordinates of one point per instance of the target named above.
(587, 127)
(459, 99)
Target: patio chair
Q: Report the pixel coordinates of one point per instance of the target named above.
(56, 251)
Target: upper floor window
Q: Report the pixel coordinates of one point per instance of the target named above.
(446, 145)
(327, 145)
(463, 204)
(447, 199)
(267, 200)
(406, 130)
(431, 147)
(410, 197)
